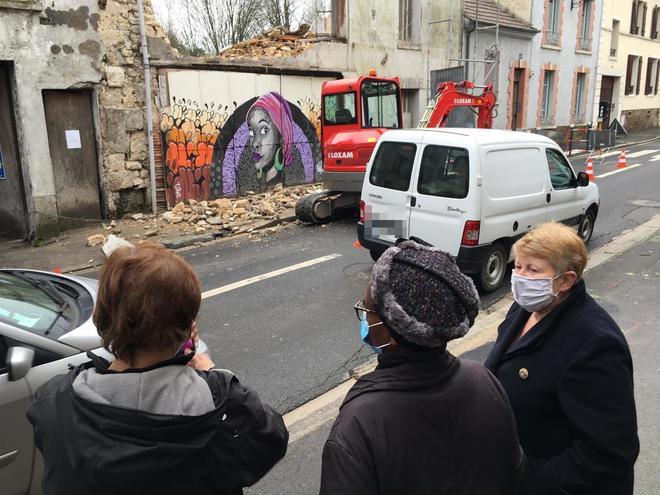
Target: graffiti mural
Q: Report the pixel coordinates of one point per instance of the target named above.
(266, 141)
(228, 147)
(189, 136)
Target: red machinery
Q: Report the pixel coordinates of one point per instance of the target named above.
(354, 114)
(452, 95)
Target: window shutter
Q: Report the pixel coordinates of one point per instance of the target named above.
(633, 18)
(644, 18)
(631, 61)
(639, 75)
(657, 77)
(649, 70)
(654, 23)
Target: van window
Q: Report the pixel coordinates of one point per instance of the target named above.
(561, 174)
(523, 167)
(444, 172)
(393, 165)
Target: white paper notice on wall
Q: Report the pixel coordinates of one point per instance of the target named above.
(72, 139)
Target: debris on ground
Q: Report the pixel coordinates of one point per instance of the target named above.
(278, 43)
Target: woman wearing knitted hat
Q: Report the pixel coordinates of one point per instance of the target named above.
(567, 370)
(424, 422)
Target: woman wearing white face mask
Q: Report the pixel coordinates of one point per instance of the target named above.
(567, 370)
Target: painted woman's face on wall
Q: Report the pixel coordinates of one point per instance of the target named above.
(264, 138)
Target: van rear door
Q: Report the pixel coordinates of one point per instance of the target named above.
(445, 197)
(387, 191)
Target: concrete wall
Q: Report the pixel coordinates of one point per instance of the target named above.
(53, 45)
(633, 111)
(210, 140)
(566, 58)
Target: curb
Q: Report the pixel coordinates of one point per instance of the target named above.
(211, 236)
(192, 240)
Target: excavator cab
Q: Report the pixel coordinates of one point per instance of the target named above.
(354, 114)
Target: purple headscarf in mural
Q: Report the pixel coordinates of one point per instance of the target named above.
(292, 136)
(280, 114)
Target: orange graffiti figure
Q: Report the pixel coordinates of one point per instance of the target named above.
(190, 135)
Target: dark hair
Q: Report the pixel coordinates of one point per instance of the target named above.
(148, 298)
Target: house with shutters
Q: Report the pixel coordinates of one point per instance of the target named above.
(628, 62)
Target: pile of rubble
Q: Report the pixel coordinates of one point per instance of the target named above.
(275, 43)
(221, 217)
(233, 214)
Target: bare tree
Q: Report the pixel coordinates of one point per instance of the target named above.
(207, 26)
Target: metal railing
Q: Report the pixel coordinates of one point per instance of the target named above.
(584, 44)
(552, 38)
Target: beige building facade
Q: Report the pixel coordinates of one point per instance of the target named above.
(628, 65)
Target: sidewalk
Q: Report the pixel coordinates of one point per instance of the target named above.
(185, 225)
(631, 139)
(623, 276)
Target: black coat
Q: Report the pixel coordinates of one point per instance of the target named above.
(570, 383)
(423, 423)
(93, 448)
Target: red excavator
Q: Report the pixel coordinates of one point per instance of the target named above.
(354, 114)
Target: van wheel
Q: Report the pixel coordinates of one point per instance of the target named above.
(586, 228)
(375, 255)
(493, 270)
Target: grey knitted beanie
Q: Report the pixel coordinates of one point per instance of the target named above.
(422, 296)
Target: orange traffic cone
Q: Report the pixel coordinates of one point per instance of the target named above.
(590, 169)
(57, 269)
(622, 160)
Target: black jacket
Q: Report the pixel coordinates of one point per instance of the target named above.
(423, 423)
(92, 448)
(570, 383)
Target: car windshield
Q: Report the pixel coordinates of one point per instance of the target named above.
(23, 304)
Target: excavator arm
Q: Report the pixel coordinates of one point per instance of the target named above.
(451, 95)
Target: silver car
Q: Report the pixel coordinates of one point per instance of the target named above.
(46, 329)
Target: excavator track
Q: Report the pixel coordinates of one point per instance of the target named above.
(322, 206)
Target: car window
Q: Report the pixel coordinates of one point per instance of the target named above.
(561, 174)
(393, 165)
(444, 172)
(339, 109)
(26, 306)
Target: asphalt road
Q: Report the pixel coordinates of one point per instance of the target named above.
(295, 336)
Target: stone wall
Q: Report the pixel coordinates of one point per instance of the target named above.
(125, 178)
(635, 120)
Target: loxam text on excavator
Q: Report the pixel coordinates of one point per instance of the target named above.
(354, 114)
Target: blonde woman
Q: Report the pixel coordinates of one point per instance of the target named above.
(567, 370)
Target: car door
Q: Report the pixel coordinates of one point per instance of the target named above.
(387, 191)
(564, 198)
(16, 446)
(440, 195)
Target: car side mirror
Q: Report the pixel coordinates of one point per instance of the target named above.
(582, 179)
(19, 362)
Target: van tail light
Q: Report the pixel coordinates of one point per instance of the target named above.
(362, 211)
(471, 233)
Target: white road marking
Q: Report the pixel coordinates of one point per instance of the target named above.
(265, 276)
(618, 170)
(655, 158)
(637, 154)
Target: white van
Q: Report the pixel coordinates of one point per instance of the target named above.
(470, 192)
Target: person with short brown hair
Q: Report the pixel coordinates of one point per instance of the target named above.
(568, 372)
(148, 422)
